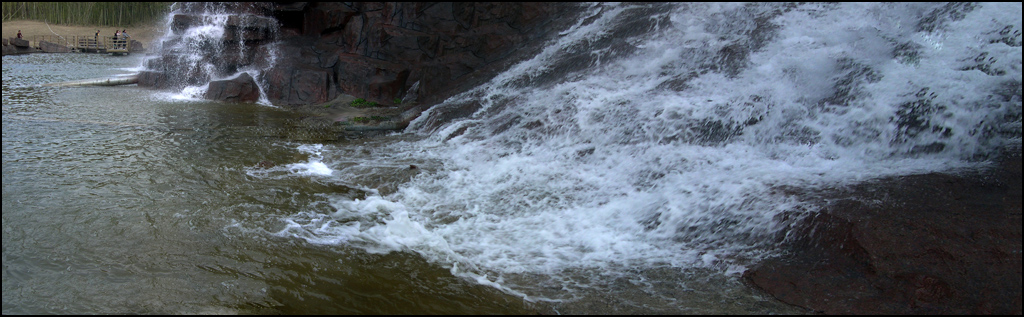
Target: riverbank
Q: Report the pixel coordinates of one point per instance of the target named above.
(146, 34)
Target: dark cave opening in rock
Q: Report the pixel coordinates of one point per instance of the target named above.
(291, 21)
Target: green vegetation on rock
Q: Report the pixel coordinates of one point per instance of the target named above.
(370, 119)
(362, 103)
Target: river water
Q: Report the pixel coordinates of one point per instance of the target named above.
(633, 166)
(126, 200)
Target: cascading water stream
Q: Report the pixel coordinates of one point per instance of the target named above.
(214, 41)
(659, 135)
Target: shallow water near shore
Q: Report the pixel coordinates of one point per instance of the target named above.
(126, 200)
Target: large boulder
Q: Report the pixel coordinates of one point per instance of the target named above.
(18, 46)
(48, 47)
(19, 42)
(242, 88)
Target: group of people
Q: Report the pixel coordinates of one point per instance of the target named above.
(120, 38)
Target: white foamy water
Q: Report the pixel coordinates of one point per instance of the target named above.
(311, 167)
(314, 166)
(657, 135)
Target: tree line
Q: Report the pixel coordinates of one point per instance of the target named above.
(87, 13)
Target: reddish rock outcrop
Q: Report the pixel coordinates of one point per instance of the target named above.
(921, 244)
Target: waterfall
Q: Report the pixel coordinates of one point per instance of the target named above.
(665, 135)
(212, 41)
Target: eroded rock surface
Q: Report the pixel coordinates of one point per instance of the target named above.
(377, 51)
(921, 244)
(315, 52)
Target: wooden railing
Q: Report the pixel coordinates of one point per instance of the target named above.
(116, 44)
(85, 43)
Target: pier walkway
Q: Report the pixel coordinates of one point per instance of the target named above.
(85, 43)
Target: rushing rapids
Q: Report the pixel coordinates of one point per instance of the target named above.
(663, 135)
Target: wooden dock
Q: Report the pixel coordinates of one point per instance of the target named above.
(87, 43)
(117, 46)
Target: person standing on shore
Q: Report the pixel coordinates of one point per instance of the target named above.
(19, 34)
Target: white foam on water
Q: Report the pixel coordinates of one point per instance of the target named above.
(192, 93)
(667, 146)
(314, 166)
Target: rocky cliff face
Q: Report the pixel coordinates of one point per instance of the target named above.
(378, 51)
(372, 50)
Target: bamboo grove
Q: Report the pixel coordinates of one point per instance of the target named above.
(86, 13)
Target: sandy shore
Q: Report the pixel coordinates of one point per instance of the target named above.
(145, 34)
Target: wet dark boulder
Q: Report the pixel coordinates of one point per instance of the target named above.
(920, 244)
(242, 88)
